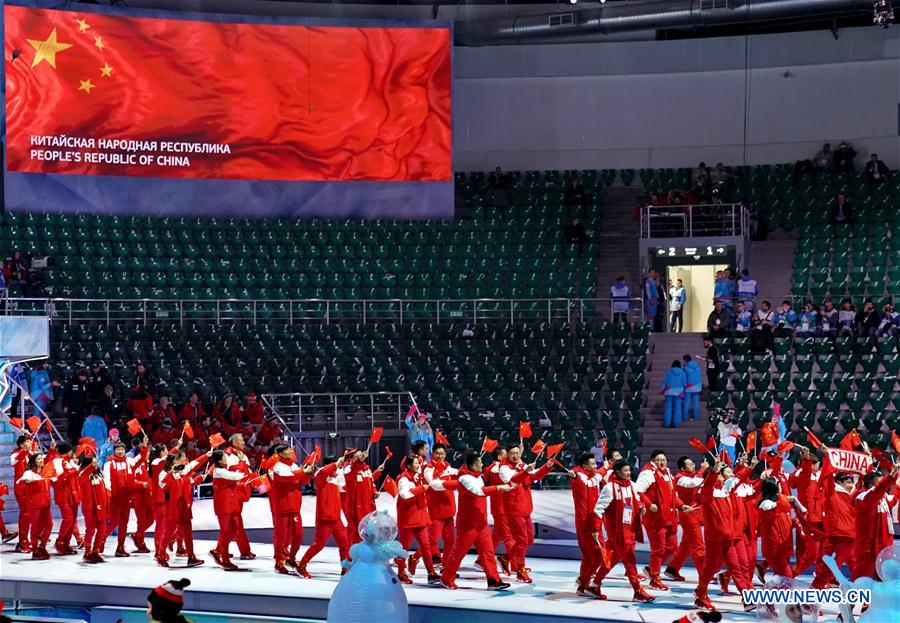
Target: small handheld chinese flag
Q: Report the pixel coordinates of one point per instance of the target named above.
(525, 430)
(769, 434)
(751, 442)
(34, 424)
(883, 461)
(375, 437)
(187, 430)
(785, 446)
(814, 441)
(603, 445)
(17, 422)
(711, 444)
(310, 458)
(387, 453)
(390, 486)
(554, 449)
(268, 463)
(49, 425)
(439, 438)
(215, 440)
(850, 441)
(895, 441)
(48, 471)
(262, 485)
(538, 446)
(134, 427)
(488, 445)
(725, 457)
(698, 445)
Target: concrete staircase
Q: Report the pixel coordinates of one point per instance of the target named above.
(619, 241)
(664, 349)
(7, 445)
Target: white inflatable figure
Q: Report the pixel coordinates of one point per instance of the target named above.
(885, 604)
(371, 591)
(791, 613)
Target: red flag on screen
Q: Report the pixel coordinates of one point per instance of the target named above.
(134, 427)
(187, 430)
(538, 446)
(390, 486)
(554, 449)
(698, 445)
(814, 441)
(375, 437)
(216, 440)
(34, 424)
(850, 441)
(291, 102)
(525, 430)
(895, 441)
(488, 445)
(439, 438)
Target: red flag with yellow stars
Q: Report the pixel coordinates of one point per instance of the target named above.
(290, 102)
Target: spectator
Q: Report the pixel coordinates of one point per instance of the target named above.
(867, 320)
(227, 413)
(729, 433)
(208, 427)
(575, 233)
(654, 200)
(718, 179)
(106, 450)
(140, 399)
(808, 322)
(673, 387)
(713, 362)
(743, 319)
(95, 426)
(650, 295)
(41, 386)
(699, 180)
(842, 160)
(192, 411)
(575, 197)
(163, 413)
(17, 270)
(677, 301)
(718, 324)
(268, 432)
(660, 318)
(847, 317)
(499, 185)
(765, 326)
(830, 321)
(166, 431)
(723, 289)
(822, 160)
(17, 376)
(876, 171)
(98, 379)
(692, 388)
(253, 411)
(890, 321)
(75, 404)
(747, 290)
(164, 603)
(841, 210)
(785, 320)
(621, 300)
(110, 407)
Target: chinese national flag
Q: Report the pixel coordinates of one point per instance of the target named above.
(292, 102)
(883, 461)
(187, 430)
(554, 449)
(17, 422)
(814, 441)
(698, 445)
(34, 424)
(439, 438)
(376, 434)
(850, 441)
(538, 446)
(48, 425)
(711, 444)
(390, 486)
(488, 445)
(268, 463)
(310, 458)
(387, 453)
(216, 440)
(769, 434)
(785, 446)
(262, 485)
(895, 441)
(751, 442)
(525, 430)
(725, 457)
(134, 427)
(48, 471)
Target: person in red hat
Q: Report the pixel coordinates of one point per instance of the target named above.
(165, 602)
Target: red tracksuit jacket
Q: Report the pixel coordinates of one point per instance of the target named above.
(363, 489)
(37, 489)
(775, 527)
(180, 487)
(94, 495)
(288, 480)
(874, 524)
(329, 484)
(585, 493)
(519, 503)
(718, 510)
(412, 507)
(473, 495)
(658, 487)
(118, 475)
(228, 493)
(687, 487)
(65, 486)
(619, 505)
(441, 503)
(838, 516)
(808, 493)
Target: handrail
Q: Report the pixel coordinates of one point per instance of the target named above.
(340, 404)
(694, 220)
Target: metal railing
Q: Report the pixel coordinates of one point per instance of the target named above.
(339, 411)
(689, 221)
(326, 311)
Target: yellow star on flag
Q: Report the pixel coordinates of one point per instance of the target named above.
(106, 70)
(98, 41)
(82, 25)
(86, 85)
(46, 50)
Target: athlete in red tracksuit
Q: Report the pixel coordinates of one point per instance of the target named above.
(746, 518)
(687, 487)
(19, 461)
(441, 503)
(838, 519)
(586, 482)
(6, 535)
(501, 532)
(156, 462)
(657, 489)
(363, 494)
(874, 524)
(472, 525)
(118, 473)
(330, 519)
(286, 496)
(721, 533)
(237, 459)
(228, 490)
(775, 527)
(519, 506)
(413, 521)
(178, 480)
(36, 489)
(620, 508)
(142, 498)
(94, 508)
(66, 494)
(805, 481)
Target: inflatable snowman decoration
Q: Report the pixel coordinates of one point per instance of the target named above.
(885, 604)
(371, 590)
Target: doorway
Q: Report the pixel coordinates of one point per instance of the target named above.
(699, 283)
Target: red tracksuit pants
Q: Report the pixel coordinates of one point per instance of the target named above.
(41, 526)
(178, 523)
(663, 545)
(288, 536)
(465, 539)
(591, 556)
(94, 531)
(119, 509)
(143, 510)
(159, 532)
(624, 553)
(422, 534)
(227, 527)
(841, 547)
(324, 530)
(522, 529)
(691, 545)
(442, 529)
(808, 550)
(717, 553)
(240, 535)
(24, 521)
(69, 515)
(502, 534)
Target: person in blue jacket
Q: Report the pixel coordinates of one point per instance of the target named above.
(808, 322)
(673, 389)
(40, 386)
(650, 294)
(95, 427)
(693, 384)
(107, 449)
